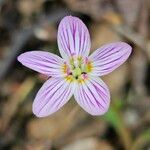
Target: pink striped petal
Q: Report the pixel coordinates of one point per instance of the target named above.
(52, 96)
(73, 37)
(109, 57)
(93, 96)
(42, 62)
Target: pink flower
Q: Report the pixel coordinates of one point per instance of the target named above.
(76, 73)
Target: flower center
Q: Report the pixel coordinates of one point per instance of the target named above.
(77, 69)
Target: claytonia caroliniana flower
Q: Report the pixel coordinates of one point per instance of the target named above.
(76, 73)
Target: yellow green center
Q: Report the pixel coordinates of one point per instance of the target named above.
(77, 69)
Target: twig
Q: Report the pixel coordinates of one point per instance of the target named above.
(133, 36)
(13, 104)
(115, 119)
(141, 140)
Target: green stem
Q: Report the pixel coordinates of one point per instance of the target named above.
(115, 119)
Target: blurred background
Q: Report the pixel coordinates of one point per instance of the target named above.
(32, 25)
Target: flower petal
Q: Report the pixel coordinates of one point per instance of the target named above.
(42, 62)
(73, 37)
(52, 96)
(109, 57)
(93, 96)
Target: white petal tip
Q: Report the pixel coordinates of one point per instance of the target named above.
(37, 113)
(99, 113)
(19, 58)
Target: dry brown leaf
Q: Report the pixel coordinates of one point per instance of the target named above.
(34, 145)
(89, 128)
(94, 8)
(90, 143)
(28, 7)
(101, 33)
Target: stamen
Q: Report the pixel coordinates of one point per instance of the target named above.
(68, 70)
(85, 76)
